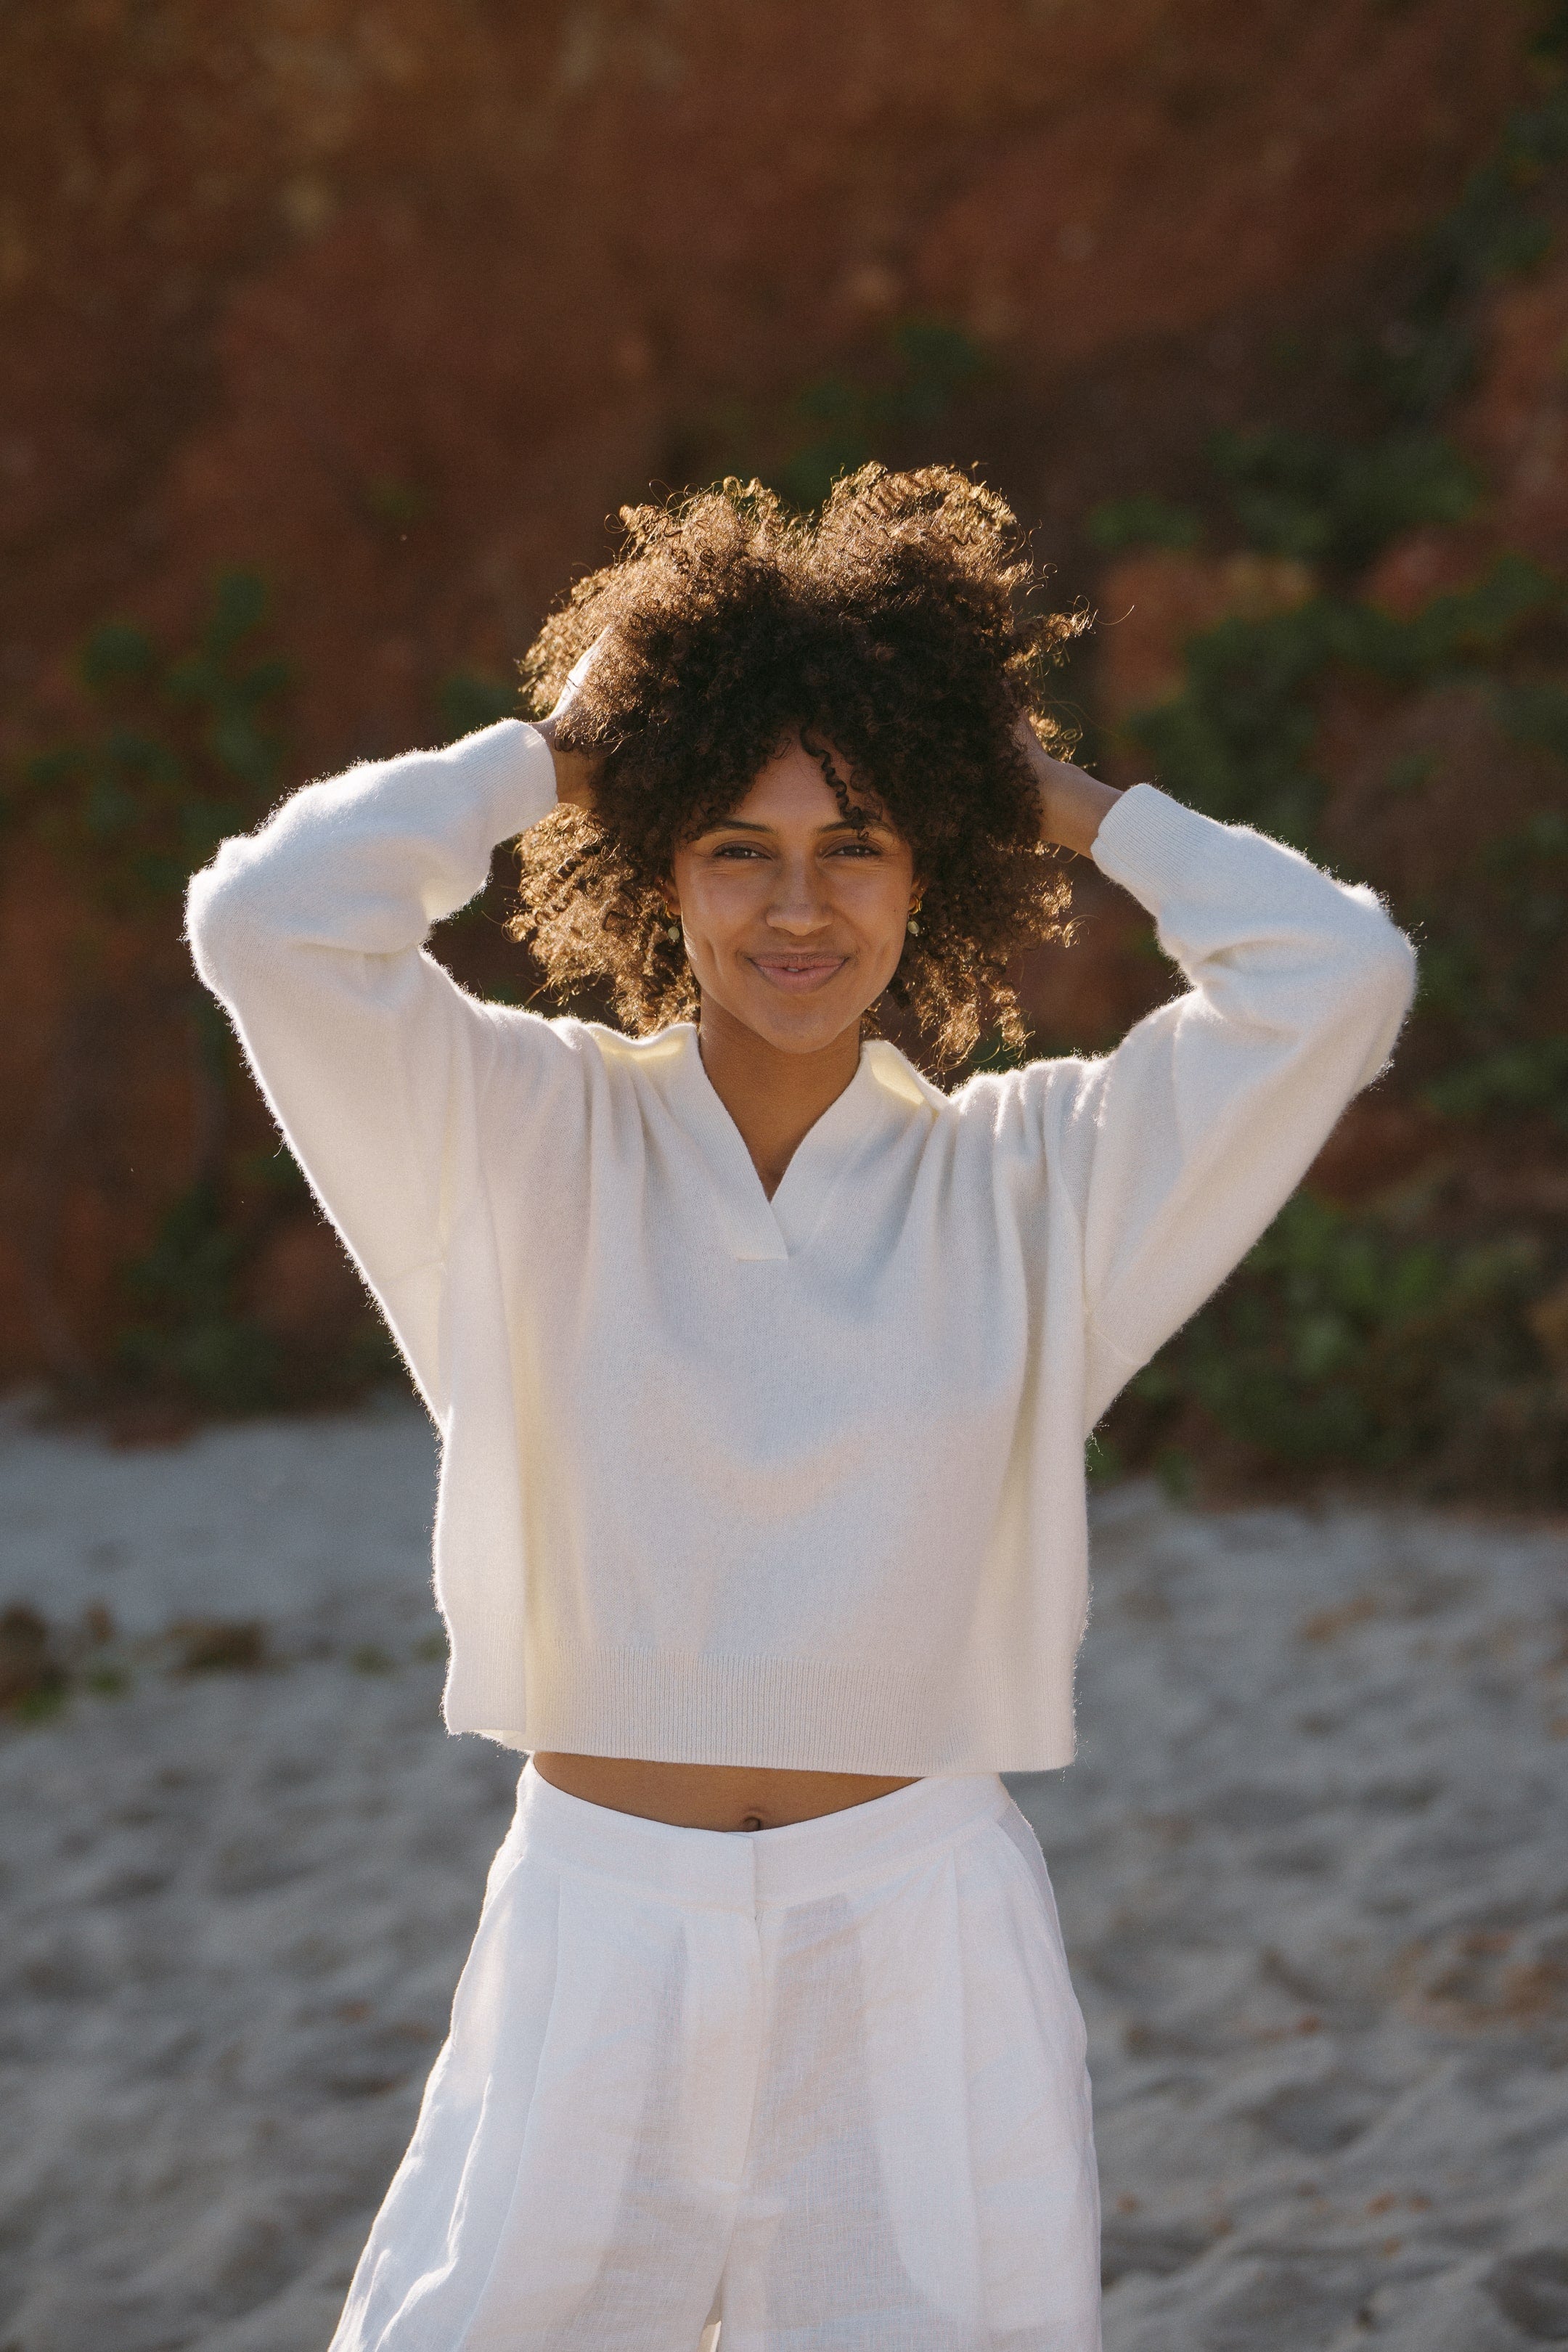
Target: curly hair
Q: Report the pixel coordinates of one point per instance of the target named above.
(900, 630)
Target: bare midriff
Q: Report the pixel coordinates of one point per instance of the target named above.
(710, 1796)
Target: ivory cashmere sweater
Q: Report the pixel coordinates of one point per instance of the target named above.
(789, 1483)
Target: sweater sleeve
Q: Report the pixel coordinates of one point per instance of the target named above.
(1179, 1148)
(311, 932)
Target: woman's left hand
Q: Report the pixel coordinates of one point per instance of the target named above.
(1072, 802)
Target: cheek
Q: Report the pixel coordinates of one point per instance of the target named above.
(876, 901)
(718, 900)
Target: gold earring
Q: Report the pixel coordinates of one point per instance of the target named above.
(672, 932)
(913, 928)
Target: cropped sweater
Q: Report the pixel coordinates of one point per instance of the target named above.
(799, 1482)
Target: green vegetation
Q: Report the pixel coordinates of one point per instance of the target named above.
(1393, 1339)
(1239, 741)
(184, 750)
(1144, 520)
(908, 384)
(1498, 228)
(1408, 1337)
(187, 1330)
(1305, 495)
(181, 748)
(839, 422)
(467, 701)
(1359, 1343)
(370, 1658)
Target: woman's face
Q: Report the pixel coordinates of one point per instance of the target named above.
(793, 922)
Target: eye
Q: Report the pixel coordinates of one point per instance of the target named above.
(738, 849)
(855, 849)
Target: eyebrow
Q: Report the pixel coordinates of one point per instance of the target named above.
(839, 825)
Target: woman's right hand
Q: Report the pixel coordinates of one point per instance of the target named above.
(576, 772)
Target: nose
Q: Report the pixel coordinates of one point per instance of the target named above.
(798, 904)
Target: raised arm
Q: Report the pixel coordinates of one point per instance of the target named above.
(1178, 1149)
(311, 932)
(1073, 804)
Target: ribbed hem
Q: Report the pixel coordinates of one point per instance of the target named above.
(486, 1683)
(804, 1715)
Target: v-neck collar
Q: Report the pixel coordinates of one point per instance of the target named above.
(754, 1226)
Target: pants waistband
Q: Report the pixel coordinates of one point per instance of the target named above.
(742, 1869)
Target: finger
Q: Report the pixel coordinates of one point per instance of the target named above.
(575, 675)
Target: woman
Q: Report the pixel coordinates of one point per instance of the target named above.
(764, 1370)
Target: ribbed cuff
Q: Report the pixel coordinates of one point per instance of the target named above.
(508, 766)
(1153, 846)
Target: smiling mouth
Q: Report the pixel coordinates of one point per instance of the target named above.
(799, 973)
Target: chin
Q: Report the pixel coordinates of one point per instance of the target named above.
(801, 1027)
(805, 1035)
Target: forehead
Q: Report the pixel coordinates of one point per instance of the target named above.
(791, 793)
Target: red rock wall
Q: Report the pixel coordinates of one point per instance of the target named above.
(398, 303)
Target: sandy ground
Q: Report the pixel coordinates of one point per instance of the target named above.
(1312, 1867)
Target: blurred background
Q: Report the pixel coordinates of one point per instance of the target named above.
(335, 335)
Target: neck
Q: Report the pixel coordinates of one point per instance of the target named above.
(775, 1098)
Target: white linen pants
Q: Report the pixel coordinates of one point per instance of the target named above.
(823, 2084)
